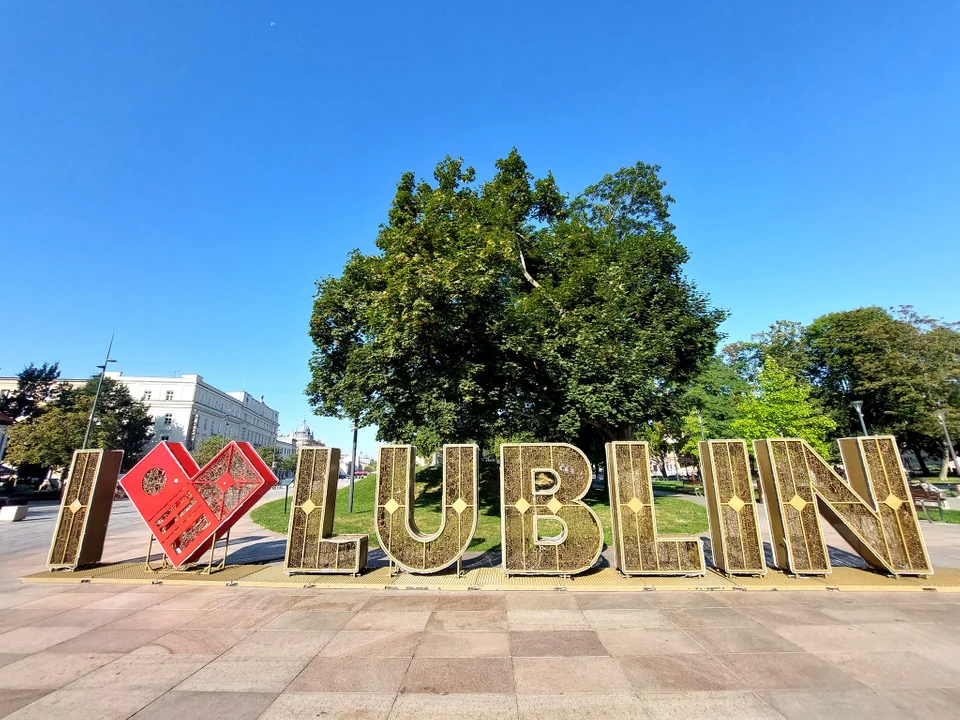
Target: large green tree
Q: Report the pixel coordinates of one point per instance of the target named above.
(49, 439)
(36, 386)
(901, 365)
(503, 310)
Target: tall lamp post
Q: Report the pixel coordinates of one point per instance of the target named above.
(942, 417)
(858, 406)
(353, 466)
(96, 398)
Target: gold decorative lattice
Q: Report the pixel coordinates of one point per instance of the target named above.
(542, 484)
(311, 545)
(397, 529)
(728, 489)
(85, 508)
(154, 481)
(886, 534)
(639, 549)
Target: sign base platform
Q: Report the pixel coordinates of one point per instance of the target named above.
(597, 580)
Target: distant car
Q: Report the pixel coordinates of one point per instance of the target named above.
(360, 473)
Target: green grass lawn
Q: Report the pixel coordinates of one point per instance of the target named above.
(674, 515)
(949, 516)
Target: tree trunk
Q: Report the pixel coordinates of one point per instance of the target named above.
(920, 461)
(945, 467)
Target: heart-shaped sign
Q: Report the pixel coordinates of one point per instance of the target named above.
(185, 506)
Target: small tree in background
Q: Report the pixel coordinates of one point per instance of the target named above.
(268, 453)
(289, 463)
(208, 448)
(781, 406)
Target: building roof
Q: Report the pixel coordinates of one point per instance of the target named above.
(303, 430)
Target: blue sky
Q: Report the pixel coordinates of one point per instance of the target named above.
(181, 173)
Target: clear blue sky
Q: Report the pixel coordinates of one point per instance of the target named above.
(181, 173)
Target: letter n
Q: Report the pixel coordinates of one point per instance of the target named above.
(872, 510)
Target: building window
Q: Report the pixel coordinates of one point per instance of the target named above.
(168, 419)
(169, 395)
(204, 423)
(164, 438)
(146, 395)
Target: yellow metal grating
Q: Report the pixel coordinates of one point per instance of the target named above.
(376, 578)
(70, 575)
(441, 581)
(778, 580)
(944, 580)
(199, 576)
(500, 581)
(711, 581)
(602, 579)
(275, 576)
(858, 580)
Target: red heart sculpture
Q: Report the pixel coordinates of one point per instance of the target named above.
(186, 507)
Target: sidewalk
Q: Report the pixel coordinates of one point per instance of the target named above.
(117, 651)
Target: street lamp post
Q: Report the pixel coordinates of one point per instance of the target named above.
(353, 467)
(942, 417)
(858, 406)
(96, 398)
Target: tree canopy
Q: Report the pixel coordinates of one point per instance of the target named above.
(781, 406)
(504, 309)
(36, 386)
(49, 438)
(901, 365)
(208, 448)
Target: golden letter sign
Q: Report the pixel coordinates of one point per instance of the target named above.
(545, 528)
(397, 529)
(873, 512)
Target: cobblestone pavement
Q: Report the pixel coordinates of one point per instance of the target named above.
(117, 651)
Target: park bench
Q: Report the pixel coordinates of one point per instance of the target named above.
(692, 484)
(925, 496)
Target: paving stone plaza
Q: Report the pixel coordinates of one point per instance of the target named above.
(110, 650)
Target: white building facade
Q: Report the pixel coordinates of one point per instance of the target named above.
(187, 409)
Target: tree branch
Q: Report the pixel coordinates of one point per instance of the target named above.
(526, 273)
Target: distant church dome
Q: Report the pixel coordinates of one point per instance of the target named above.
(303, 432)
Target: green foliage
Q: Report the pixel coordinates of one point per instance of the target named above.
(713, 399)
(36, 386)
(208, 448)
(289, 463)
(49, 439)
(901, 365)
(499, 310)
(674, 515)
(782, 406)
(268, 453)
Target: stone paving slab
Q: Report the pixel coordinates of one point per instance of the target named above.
(239, 651)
